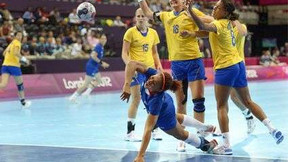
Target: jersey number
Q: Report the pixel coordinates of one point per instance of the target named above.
(175, 29)
(145, 47)
(232, 34)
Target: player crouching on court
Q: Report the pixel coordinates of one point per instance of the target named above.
(11, 67)
(161, 109)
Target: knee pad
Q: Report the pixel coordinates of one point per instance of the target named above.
(20, 87)
(185, 91)
(199, 104)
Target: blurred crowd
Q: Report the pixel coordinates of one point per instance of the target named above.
(50, 34)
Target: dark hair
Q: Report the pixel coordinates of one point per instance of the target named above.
(230, 8)
(170, 84)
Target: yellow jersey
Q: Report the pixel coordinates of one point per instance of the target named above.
(10, 59)
(240, 41)
(180, 48)
(141, 45)
(223, 45)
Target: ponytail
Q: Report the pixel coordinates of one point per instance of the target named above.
(169, 83)
(230, 8)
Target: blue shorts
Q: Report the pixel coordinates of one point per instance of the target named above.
(138, 79)
(12, 70)
(232, 76)
(167, 118)
(91, 70)
(188, 69)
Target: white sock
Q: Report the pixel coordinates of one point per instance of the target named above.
(226, 139)
(132, 120)
(191, 122)
(268, 124)
(247, 113)
(193, 140)
(88, 91)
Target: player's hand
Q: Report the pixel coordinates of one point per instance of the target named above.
(126, 93)
(139, 159)
(186, 34)
(105, 65)
(187, 2)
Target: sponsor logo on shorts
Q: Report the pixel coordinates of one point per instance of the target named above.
(74, 84)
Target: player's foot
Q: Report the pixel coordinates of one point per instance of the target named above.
(250, 125)
(156, 135)
(210, 129)
(73, 99)
(181, 147)
(131, 137)
(207, 146)
(217, 132)
(27, 104)
(223, 150)
(278, 136)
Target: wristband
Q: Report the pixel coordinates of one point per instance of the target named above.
(140, 1)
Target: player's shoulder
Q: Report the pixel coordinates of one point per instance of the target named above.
(152, 30)
(131, 29)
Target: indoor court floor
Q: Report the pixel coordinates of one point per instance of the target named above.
(54, 130)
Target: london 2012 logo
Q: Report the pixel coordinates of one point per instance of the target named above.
(74, 84)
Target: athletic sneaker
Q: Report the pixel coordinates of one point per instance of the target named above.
(27, 104)
(278, 136)
(250, 125)
(181, 147)
(156, 135)
(223, 150)
(207, 146)
(209, 130)
(131, 137)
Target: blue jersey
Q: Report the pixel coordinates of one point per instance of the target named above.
(99, 49)
(160, 104)
(92, 65)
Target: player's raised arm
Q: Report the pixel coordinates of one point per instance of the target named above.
(146, 10)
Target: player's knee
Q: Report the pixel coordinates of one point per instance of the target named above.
(20, 87)
(136, 99)
(199, 104)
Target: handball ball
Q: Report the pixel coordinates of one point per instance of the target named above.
(86, 11)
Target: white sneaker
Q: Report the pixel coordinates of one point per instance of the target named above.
(131, 137)
(156, 135)
(181, 147)
(27, 104)
(278, 136)
(223, 150)
(250, 125)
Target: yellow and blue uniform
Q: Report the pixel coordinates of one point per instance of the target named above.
(240, 42)
(229, 66)
(160, 104)
(92, 66)
(141, 45)
(11, 64)
(183, 52)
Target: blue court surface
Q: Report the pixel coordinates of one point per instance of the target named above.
(54, 130)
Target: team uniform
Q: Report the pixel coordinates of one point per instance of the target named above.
(184, 53)
(92, 67)
(229, 66)
(141, 49)
(11, 64)
(240, 41)
(160, 104)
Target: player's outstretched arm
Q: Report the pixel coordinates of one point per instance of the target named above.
(131, 68)
(201, 25)
(146, 10)
(149, 125)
